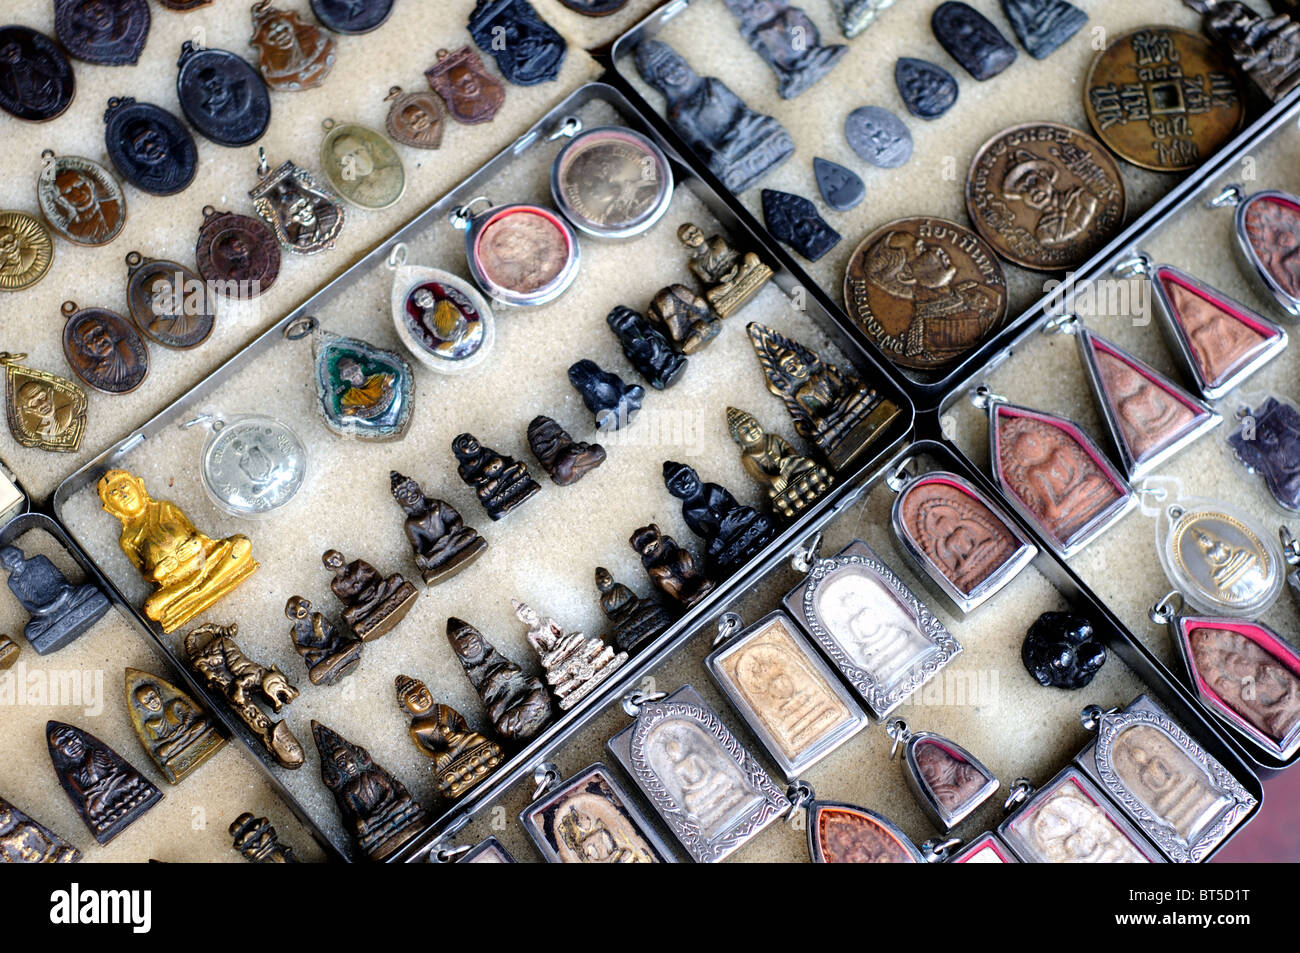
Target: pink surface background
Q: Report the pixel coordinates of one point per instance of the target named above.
(1273, 836)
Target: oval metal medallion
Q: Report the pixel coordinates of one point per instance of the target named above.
(253, 465)
(149, 146)
(362, 166)
(237, 255)
(168, 302)
(26, 251)
(352, 16)
(104, 349)
(222, 96)
(1220, 562)
(36, 79)
(81, 199)
(106, 32)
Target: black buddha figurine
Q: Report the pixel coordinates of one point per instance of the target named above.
(635, 620)
(564, 459)
(518, 704)
(377, 810)
(502, 483)
(443, 545)
(527, 49)
(733, 534)
(106, 792)
(611, 401)
(788, 41)
(684, 318)
(739, 145)
(330, 655)
(372, 604)
(60, 611)
(671, 568)
(645, 348)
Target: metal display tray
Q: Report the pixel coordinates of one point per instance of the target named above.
(87, 531)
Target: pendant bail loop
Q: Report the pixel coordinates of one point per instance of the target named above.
(1164, 611)
(898, 731)
(300, 327)
(397, 257)
(982, 397)
(195, 421)
(569, 127)
(1139, 265)
(1290, 546)
(449, 855)
(1067, 322)
(263, 164)
(634, 700)
(1231, 196)
(1090, 717)
(463, 216)
(545, 775)
(1021, 788)
(803, 559)
(11, 358)
(729, 623)
(800, 794)
(900, 476)
(936, 851)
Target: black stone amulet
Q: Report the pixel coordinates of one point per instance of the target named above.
(1059, 651)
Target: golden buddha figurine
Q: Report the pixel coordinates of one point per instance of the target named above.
(461, 756)
(793, 481)
(730, 278)
(192, 571)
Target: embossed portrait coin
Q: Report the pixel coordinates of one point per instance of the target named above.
(222, 96)
(362, 166)
(169, 303)
(352, 16)
(1045, 196)
(107, 32)
(237, 255)
(80, 199)
(253, 465)
(611, 182)
(104, 349)
(149, 146)
(26, 251)
(1163, 99)
(291, 53)
(926, 290)
(472, 94)
(44, 410)
(414, 119)
(36, 80)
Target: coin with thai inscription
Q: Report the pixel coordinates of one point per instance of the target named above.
(106, 32)
(237, 255)
(1045, 196)
(878, 136)
(1163, 98)
(81, 200)
(361, 165)
(44, 410)
(104, 349)
(926, 290)
(149, 146)
(414, 119)
(222, 96)
(352, 16)
(26, 250)
(36, 79)
(169, 303)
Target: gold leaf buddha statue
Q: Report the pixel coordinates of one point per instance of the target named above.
(793, 482)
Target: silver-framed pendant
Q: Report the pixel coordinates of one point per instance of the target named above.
(847, 834)
(963, 544)
(793, 703)
(1216, 341)
(590, 819)
(519, 254)
(947, 781)
(1181, 797)
(305, 218)
(1149, 417)
(1258, 220)
(1290, 556)
(1219, 560)
(1053, 473)
(441, 319)
(988, 848)
(885, 642)
(1069, 821)
(610, 182)
(1242, 672)
(251, 465)
(706, 787)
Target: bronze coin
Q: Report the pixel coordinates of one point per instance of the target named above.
(522, 251)
(1045, 196)
(80, 199)
(414, 119)
(104, 349)
(168, 302)
(237, 255)
(26, 251)
(1163, 99)
(926, 290)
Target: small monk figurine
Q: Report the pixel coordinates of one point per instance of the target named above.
(191, 571)
(574, 664)
(60, 612)
(258, 842)
(502, 483)
(729, 277)
(635, 620)
(671, 568)
(442, 543)
(177, 734)
(646, 348)
(372, 604)
(565, 460)
(517, 703)
(612, 402)
(461, 756)
(793, 482)
(377, 810)
(330, 655)
(734, 534)
(107, 793)
(684, 317)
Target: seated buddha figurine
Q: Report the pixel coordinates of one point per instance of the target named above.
(330, 655)
(190, 570)
(566, 460)
(461, 756)
(59, 611)
(178, 734)
(733, 533)
(793, 482)
(372, 603)
(443, 545)
(684, 318)
(671, 568)
(730, 278)
(635, 620)
(502, 483)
